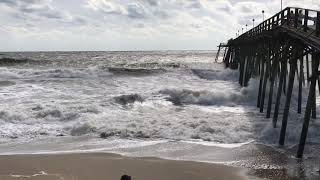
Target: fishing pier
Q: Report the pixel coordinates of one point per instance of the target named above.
(281, 51)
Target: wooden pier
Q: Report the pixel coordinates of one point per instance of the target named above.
(281, 51)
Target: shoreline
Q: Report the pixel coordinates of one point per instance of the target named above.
(248, 161)
(83, 166)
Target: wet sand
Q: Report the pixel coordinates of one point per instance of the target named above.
(102, 166)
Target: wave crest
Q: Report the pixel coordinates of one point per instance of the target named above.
(224, 75)
(184, 96)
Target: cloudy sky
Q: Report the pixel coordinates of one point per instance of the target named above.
(34, 25)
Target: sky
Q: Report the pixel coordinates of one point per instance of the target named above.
(129, 25)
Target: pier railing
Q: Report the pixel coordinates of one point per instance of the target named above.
(305, 20)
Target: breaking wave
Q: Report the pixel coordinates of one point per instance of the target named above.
(226, 98)
(223, 74)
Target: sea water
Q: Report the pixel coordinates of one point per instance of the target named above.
(169, 104)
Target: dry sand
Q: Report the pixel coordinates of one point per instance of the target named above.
(102, 166)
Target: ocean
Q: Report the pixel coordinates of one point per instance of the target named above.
(179, 105)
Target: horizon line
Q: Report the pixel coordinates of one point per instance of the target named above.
(108, 50)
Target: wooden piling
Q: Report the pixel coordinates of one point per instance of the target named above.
(314, 63)
(225, 52)
(228, 57)
(307, 67)
(293, 67)
(247, 71)
(277, 105)
(218, 53)
(285, 81)
(300, 85)
(310, 102)
(272, 80)
(318, 84)
(265, 80)
(242, 67)
(261, 82)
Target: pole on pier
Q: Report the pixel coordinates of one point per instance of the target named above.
(293, 67)
(310, 102)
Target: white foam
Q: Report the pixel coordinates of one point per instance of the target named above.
(72, 101)
(229, 146)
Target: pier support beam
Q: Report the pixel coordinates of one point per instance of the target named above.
(277, 106)
(307, 67)
(272, 80)
(265, 80)
(218, 53)
(242, 62)
(293, 67)
(301, 74)
(314, 64)
(310, 105)
(261, 80)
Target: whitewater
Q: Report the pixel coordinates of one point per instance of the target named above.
(170, 104)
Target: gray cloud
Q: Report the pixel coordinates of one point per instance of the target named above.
(9, 2)
(136, 11)
(153, 2)
(41, 14)
(144, 9)
(33, 9)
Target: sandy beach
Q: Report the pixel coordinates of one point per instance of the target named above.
(102, 166)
